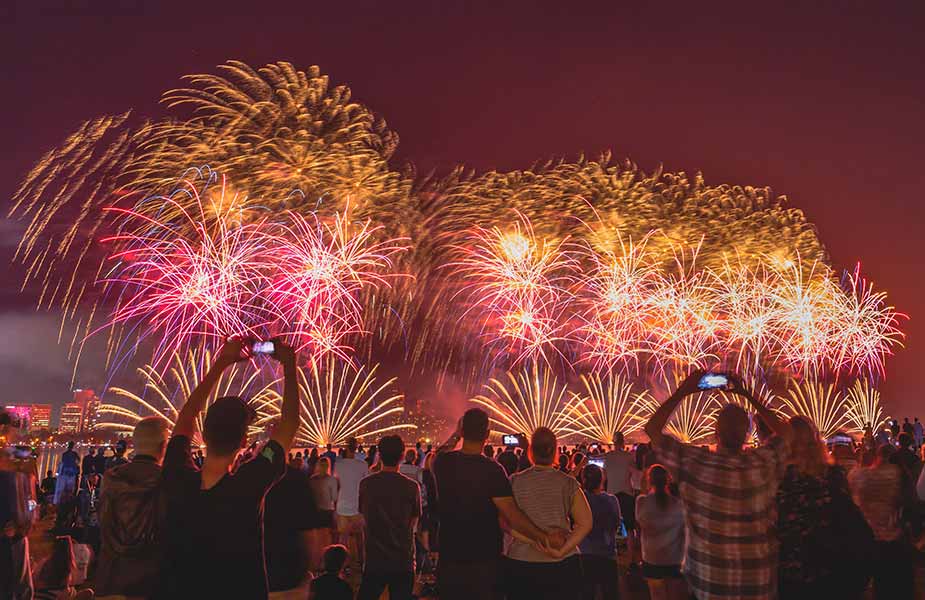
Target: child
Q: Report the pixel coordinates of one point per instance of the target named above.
(330, 585)
(53, 581)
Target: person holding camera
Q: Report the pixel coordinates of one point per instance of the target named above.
(215, 515)
(730, 553)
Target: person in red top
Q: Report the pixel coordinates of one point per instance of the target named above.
(214, 526)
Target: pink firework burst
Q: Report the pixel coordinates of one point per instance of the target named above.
(320, 270)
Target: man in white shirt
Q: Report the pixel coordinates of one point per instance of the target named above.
(619, 466)
(350, 527)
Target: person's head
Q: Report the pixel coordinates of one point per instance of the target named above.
(48, 473)
(314, 453)
(905, 441)
(299, 454)
(334, 558)
(592, 477)
(475, 425)
(70, 445)
(56, 572)
(543, 446)
(225, 427)
(731, 427)
(91, 451)
(563, 461)
(351, 447)
(578, 459)
(906, 420)
(150, 437)
(411, 456)
(618, 441)
(323, 466)
(391, 448)
(121, 446)
(884, 454)
(417, 445)
(488, 451)
(808, 452)
(330, 447)
(659, 481)
(296, 462)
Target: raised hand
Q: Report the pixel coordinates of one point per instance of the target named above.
(232, 351)
(283, 352)
(689, 385)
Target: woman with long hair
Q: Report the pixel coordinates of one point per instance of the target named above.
(599, 549)
(554, 502)
(660, 518)
(814, 512)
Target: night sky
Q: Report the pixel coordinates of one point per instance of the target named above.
(824, 104)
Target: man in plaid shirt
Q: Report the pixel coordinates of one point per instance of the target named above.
(728, 496)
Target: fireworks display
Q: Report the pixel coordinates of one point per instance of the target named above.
(165, 390)
(273, 210)
(819, 402)
(519, 403)
(339, 402)
(862, 408)
(606, 407)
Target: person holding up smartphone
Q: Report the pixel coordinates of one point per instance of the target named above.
(730, 550)
(215, 516)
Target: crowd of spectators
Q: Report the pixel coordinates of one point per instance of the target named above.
(786, 517)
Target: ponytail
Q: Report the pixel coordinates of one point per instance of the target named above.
(659, 481)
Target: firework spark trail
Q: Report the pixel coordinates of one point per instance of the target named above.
(523, 402)
(186, 283)
(291, 141)
(743, 298)
(339, 401)
(520, 284)
(867, 328)
(683, 329)
(863, 408)
(607, 406)
(164, 393)
(322, 269)
(617, 288)
(820, 403)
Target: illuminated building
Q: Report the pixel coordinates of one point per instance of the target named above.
(71, 418)
(41, 417)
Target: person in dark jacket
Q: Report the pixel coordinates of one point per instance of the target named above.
(131, 517)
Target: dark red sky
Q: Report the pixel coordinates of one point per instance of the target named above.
(823, 103)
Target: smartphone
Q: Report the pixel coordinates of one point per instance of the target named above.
(511, 440)
(713, 381)
(263, 348)
(599, 462)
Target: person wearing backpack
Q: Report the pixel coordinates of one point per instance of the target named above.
(132, 513)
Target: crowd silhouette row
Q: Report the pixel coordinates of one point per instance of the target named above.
(787, 518)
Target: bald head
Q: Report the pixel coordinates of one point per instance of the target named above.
(731, 427)
(150, 437)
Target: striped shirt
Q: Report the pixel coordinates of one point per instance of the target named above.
(729, 501)
(545, 495)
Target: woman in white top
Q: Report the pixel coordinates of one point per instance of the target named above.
(554, 502)
(660, 518)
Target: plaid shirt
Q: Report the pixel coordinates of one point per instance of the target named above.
(729, 502)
